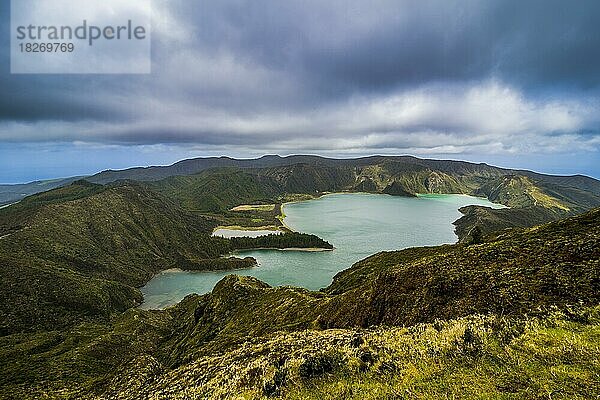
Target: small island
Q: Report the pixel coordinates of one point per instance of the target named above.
(288, 240)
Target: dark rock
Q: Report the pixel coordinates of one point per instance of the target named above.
(396, 189)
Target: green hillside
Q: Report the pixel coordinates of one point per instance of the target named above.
(218, 190)
(214, 185)
(476, 357)
(513, 317)
(72, 260)
(532, 200)
(397, 165)
(13, 193)
(81, 251)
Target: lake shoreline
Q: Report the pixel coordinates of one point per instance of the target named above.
(306, 249)
(283, 217)
(8, 205)
(285, 227)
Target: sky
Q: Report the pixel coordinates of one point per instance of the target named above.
(510, 83)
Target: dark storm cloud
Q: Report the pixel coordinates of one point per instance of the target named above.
(343, 74)
(31, 98)
(152, 135)
(381, 45)
(549, 43)
(52, 98)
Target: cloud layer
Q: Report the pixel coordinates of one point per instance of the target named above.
(428, 77)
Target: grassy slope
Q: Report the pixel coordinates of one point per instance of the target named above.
(476, 357)
(250, 339)
(75, 254)
(217, 190)
(81, 251)
(532, 200)
(62, 363)
(214, 192)
(515, 272)
(15, 217)
(489, 220)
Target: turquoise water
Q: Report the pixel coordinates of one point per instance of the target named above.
(358, 225)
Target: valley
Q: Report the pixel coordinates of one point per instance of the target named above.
(358, 225)
(515, 298)
(300, 200)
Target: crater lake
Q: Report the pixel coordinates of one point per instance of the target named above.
(357, 224)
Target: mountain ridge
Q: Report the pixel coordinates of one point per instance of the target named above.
(12, 193)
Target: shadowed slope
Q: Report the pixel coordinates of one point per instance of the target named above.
(513, 274)
(82, 250)
(250, 339)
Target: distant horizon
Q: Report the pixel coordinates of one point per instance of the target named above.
(340, 157)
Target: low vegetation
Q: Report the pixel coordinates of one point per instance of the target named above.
(81, 252)
(555, 356)
(282, 241)
(502, 314)
(516, 316)
(532, 198)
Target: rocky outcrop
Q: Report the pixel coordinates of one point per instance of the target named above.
(396, 189)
